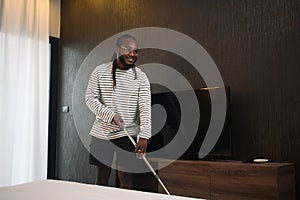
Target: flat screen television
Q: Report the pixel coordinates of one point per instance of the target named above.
(172, 109)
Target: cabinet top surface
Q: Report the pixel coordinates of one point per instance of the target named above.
(221, 162)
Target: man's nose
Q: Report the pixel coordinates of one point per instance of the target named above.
(132, 53)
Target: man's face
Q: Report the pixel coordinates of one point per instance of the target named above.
(128, 53)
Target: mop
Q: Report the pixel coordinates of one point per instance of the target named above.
(147, 163)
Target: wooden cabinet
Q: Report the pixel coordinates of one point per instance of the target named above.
(228, 179)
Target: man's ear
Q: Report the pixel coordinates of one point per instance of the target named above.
(117, 49)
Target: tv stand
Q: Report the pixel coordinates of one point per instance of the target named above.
(228, 179)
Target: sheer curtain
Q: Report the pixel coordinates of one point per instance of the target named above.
(24, 90)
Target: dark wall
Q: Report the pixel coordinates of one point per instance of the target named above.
(255, 44)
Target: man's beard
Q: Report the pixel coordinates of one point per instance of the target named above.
(125, 65)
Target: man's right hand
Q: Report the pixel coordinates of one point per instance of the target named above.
(118, 121)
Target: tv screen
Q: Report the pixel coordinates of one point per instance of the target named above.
(167, 116)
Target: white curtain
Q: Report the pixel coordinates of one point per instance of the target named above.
(24, 90)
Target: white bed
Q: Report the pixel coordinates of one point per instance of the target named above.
(63, 190)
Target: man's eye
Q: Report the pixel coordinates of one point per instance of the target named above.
(129, 49)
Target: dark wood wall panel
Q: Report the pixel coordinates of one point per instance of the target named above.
(255, 44)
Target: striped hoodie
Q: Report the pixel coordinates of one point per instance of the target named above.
(131, 99)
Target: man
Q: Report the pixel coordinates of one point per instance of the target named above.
(118, 94)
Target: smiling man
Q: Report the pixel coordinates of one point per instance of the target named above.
(118, 94)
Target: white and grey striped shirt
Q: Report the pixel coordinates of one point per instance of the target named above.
(131, 99)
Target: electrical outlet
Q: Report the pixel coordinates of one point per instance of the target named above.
(65, 109)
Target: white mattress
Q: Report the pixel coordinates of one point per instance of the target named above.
(65, 190)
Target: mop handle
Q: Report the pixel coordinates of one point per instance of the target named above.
(147, 163)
